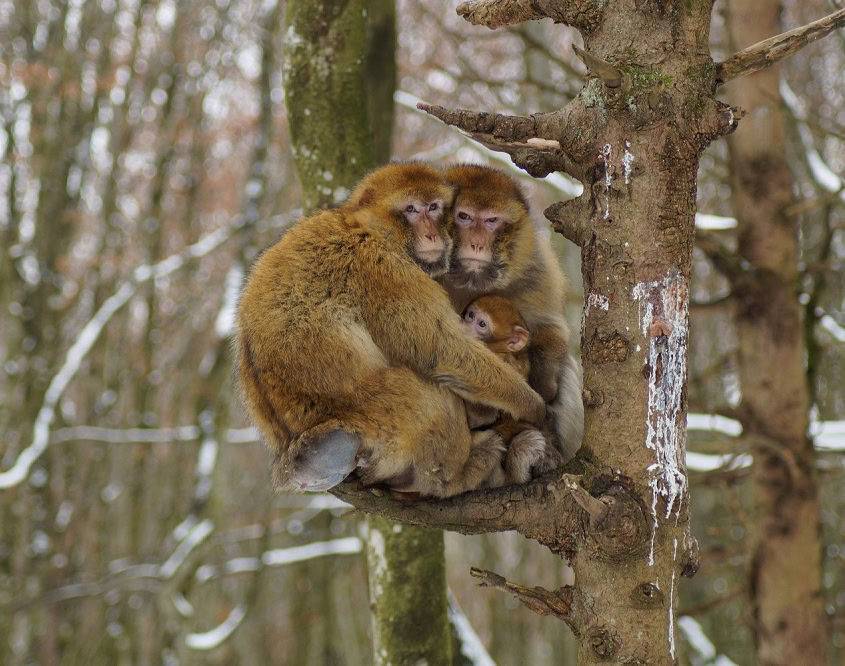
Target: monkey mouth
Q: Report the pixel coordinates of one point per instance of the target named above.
(474, 265)
(475, 274)
(431, 256)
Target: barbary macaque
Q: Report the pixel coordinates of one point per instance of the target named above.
(495, 321)
(350, 356)
(498, 250)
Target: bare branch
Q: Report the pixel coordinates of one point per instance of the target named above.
(519, 136)
(498, 13)
(609, 74)
(557, 603)
(507, 129)
(596, 509)
(768, 52)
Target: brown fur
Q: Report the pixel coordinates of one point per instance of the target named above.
(527, 448)
(340, 331)
(525, 270)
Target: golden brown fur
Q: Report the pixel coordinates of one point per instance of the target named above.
(522, 267)
(494, 320)
(350, 355)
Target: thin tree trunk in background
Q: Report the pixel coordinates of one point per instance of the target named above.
(341, 121)
(407, 572)
(785, 577)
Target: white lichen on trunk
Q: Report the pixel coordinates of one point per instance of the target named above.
(607, 153)
(663, 321)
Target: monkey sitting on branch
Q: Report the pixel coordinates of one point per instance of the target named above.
(495, 321)
(350, 356)
(498, 250)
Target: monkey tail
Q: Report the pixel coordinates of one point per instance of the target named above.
(567, 410)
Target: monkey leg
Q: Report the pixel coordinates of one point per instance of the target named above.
(483, 466)
(529, 454)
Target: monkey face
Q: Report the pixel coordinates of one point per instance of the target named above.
(489, 219)
(477, 323)
(427, 244)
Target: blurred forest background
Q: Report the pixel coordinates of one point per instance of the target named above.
(145, 162)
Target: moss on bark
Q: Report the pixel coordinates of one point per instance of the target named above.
(410, 610)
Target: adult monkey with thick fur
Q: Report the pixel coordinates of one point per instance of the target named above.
(351, 357)
(498, 250)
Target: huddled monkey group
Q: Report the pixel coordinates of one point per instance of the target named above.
(392, 337)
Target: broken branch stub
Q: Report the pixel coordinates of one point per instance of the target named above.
(610, 75)
(558, 603)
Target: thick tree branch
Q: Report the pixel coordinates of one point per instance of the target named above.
(768, 52)
(542, 601)
(530, 141)
(582, 14)
(554, 510)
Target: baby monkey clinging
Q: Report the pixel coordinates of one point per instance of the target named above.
(495, 321)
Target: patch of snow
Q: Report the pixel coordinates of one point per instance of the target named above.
(225, 323)
(193, 539)
(714, 222)
(714, 423)
(211, 639)
(471, 646)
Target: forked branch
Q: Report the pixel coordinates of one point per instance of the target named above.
(769, 51)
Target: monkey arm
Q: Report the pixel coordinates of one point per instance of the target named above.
(548, 352)
(414, 325)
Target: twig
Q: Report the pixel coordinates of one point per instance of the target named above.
(769, 51)
(540, 600)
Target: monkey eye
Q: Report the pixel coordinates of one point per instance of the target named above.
(482, 323)
(433, 206)
(492, 220)
(462, 215)
(410, 208)
(470, 315)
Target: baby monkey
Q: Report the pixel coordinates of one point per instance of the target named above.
(495, 321)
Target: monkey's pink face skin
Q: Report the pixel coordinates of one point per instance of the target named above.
(425, 218)
(477, 230)
(477, 323)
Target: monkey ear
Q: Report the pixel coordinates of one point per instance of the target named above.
(518, 339)
(367, 197)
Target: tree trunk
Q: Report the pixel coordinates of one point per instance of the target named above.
(790, 625)
(407, 572)
(341, 119)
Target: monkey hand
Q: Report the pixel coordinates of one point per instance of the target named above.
(534, 409)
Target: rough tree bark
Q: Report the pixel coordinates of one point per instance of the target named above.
(633, 137)
(339, 83)
(790, 624)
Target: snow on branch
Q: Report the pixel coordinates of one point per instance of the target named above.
(471, 646)
(280, 557)
(85, 342)
(825, 177)
(209, 640)
(498, 13)
(769, 51)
